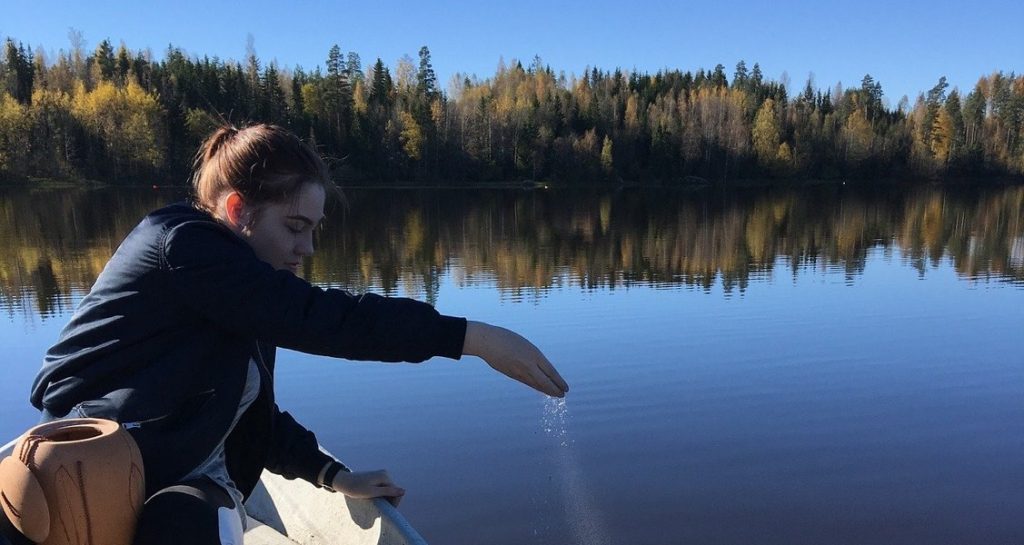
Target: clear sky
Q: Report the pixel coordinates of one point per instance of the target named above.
(905, 45)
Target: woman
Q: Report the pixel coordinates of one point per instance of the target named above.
(176, 339)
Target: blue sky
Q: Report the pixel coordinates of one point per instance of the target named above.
(904, 45)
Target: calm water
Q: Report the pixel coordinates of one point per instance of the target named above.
(827, 365)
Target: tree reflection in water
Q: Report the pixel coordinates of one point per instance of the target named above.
(53, 244)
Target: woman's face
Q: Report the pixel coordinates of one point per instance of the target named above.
(281, 234)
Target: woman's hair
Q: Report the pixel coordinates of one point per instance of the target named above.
(264, 163)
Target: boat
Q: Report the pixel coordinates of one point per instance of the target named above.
(291, 512)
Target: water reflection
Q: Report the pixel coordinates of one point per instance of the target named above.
(54, 243)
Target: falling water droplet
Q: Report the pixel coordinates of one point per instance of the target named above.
(584, 518)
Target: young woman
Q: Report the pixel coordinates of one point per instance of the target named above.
(176, 339)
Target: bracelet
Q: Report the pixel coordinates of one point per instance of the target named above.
(332, 472)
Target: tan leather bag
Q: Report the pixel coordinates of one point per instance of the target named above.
(74, 482)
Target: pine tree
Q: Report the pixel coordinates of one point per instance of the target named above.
(355, 67)
(103, 58)
(297, 107)
(756, 78)
(739, 77)
(337, 94)
(426, 80)
(255, 102)
(123, 64)
(380, 87)
(807, 97)
(934, 100)
(974, 118)
(718, 77)
(274, 95)
(871, 96)
(954, 112)
(17, 72)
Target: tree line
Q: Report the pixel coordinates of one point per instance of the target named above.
(116, 114)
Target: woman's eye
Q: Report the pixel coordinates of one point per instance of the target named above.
(295, 229)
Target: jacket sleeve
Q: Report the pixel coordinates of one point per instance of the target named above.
(294, 451)
(216, 274)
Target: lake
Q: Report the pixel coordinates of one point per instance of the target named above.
(828, 364)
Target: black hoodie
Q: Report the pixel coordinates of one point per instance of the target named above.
(163, 340)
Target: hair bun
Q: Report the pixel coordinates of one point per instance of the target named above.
(219, 138)
(263, 163)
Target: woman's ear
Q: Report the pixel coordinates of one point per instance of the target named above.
(234, 209)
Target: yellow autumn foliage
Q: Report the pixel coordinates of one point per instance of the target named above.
(127, 120)
(15, 125)
(766, 132)
(858, 136)
(411, 136)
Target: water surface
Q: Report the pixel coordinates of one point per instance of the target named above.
(823, 365)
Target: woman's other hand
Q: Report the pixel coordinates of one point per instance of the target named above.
(368, 484)
(513, 356)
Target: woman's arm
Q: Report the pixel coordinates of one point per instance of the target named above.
(515, 357)
(216, 275)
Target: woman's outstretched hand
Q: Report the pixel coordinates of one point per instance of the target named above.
(368, 484)
(513, 356)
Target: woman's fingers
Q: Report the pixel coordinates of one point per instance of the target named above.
(538, 376)
(529, 374)
(549, 371)
(394, 496)
(547, 377)
(538, 380)
(545, 385)
(552, 389)
(369, 484)
(388, 492)
(384, 486)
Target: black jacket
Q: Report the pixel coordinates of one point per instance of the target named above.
(163, 339)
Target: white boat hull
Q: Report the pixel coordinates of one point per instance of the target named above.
(290, 512)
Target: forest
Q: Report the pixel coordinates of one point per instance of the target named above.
(122, 116)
